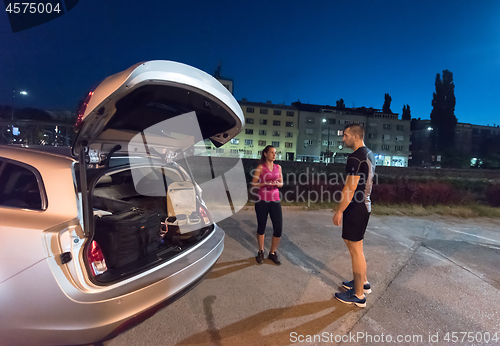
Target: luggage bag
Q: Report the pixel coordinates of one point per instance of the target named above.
(127, 236)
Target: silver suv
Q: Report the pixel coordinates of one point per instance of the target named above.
(95, 238)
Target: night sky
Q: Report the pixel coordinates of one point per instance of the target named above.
(282, 51)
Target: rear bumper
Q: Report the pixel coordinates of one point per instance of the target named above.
(36, 310)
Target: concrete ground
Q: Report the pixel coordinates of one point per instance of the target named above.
(429, 276)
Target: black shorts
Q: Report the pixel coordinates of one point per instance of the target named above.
(354, 222)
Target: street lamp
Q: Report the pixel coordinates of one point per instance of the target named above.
(328, 143)
(22, 92)
(436, 144)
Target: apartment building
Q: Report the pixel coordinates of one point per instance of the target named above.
(321, 131)
(470, 140)
(267, 124)
(389, 138)
(307, 132)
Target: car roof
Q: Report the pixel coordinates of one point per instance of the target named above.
(36, 153)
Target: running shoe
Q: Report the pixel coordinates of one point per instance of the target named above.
(348, 297)
(260, 257)
(350, 285)
(274, 257)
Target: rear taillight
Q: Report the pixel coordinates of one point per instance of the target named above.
(96, 259)
(204, 215)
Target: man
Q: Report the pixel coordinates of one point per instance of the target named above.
(354, 210)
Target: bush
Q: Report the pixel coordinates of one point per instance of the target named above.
(493, 195)
(425, 194)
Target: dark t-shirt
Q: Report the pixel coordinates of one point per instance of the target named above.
(362, 163)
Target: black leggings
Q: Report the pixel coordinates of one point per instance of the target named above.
(262, 208)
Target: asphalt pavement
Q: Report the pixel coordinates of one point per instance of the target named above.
(435, 280)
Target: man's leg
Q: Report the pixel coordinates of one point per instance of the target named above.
(358, 265)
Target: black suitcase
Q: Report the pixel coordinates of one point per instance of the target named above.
(127, 236)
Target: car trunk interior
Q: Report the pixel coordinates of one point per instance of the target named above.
(136, 224)
(150, 104)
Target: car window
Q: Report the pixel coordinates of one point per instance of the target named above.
(19, 187)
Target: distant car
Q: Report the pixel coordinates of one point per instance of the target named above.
(94, 240)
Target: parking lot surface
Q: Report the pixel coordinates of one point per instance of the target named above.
(435, 281)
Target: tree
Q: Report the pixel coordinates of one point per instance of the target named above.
(32, 114)
(32, 134)
(406, 113)
(340, 104)
(443, 118)
(386, 108)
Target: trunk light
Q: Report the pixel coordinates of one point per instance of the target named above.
(204, 215)
(96, 259)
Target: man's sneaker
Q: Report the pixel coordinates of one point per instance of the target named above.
(349, 285)
(260, 257)
(274, 257)
(348, 297)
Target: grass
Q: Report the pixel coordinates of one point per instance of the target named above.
(460, 211)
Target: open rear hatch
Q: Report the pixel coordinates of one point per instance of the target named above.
(147, 209)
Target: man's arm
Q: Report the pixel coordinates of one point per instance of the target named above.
(347, 194)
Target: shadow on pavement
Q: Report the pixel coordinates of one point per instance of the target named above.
(237, 230)
(221, 269)
(298, 257)
(234, 230)
(215, 336)
(270, 327)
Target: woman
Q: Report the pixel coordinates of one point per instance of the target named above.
(268, 178)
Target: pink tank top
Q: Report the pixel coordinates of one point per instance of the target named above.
(267, 193)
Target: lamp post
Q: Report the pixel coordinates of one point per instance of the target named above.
(22, 92)
(436, 145)
(328, 143)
